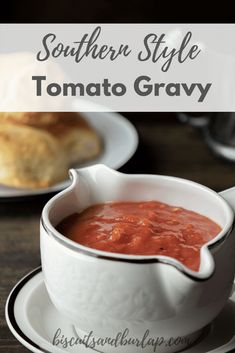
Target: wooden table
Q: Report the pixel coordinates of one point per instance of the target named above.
(166, 147)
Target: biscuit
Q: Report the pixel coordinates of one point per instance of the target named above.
(30, 158)
(75, 135)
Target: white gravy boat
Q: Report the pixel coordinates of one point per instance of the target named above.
(107, 293)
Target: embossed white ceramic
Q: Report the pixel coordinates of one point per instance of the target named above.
(106, 292)
(34, 321)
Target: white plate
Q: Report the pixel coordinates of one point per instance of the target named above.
(120, 142)
(33, 320)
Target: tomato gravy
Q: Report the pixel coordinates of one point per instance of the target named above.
(142, 228)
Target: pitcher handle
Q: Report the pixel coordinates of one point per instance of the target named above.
(229, 196)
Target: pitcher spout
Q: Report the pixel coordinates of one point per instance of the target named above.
(92, 174)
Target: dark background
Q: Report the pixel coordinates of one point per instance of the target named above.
(111, 11)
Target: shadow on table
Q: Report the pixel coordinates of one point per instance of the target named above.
(21, 206)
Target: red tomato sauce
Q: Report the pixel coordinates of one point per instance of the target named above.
(142, 228)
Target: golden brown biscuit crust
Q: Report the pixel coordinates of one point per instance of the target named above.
(75, 135)
(57, 123)
(30, 158)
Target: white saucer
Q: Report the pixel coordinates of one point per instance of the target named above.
(33, 320)
(120, 142)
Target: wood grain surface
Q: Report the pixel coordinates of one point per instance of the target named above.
(166, 147)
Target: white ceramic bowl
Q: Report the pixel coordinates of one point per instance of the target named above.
(106, 293)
